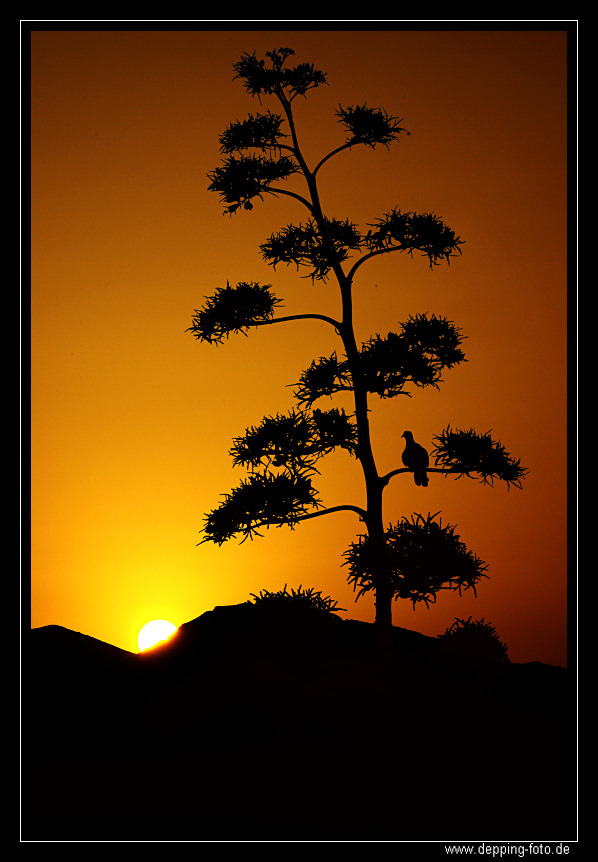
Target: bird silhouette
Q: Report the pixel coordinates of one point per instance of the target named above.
(416, 459)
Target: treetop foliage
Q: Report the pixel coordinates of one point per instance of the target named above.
(260, 80)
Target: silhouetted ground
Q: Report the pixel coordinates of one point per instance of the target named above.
(247, 725)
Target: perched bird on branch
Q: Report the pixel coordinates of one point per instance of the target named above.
(416, 459)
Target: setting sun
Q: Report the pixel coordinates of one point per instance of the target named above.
(154, 632)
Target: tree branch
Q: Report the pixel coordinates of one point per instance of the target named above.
(330, 320)
(333, 153)
(386, 479)
(305, 517)
(346, 508)
(285, 147)
(363, 259)
(276, 191)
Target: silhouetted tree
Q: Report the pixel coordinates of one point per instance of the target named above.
(418, 556)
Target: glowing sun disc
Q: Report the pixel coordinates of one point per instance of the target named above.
(154, 632)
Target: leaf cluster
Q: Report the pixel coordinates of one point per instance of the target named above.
(260, 79)
(369, 126)
(239, 180)
(467, 452)
(388, 364)
(263, 499)
(420, 556)
(325, 376)
(418, 353)
(309, 600)
(304, 245)
(261, 132)
(411, 232)
(294, 441)
(233, 309)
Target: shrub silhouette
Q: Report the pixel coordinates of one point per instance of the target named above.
(300, 600)
(474, 644)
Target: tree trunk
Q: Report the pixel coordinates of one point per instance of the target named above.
(377, 541)
(374, 486)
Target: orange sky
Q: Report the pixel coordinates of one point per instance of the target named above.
(132, 419)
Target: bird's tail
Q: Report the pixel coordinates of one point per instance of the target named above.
(421, 478)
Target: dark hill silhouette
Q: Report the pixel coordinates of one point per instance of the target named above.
(250, 724)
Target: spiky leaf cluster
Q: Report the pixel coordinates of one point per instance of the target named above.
(260, 132)
(308, 600)
(324, 377)
(233, 309)
(294, 441)
(239, 180)
(436, 338)
(418, 354)
(369, 126)
(467, 452)
(388, 364)
(421, 557)
(260, 79)
(304, 245)
(333, 430)
(474, 642)
(410, 232)
(263, 499)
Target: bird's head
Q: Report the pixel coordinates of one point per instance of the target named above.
(407, 435)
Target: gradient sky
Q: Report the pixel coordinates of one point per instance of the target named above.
(132, 419)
